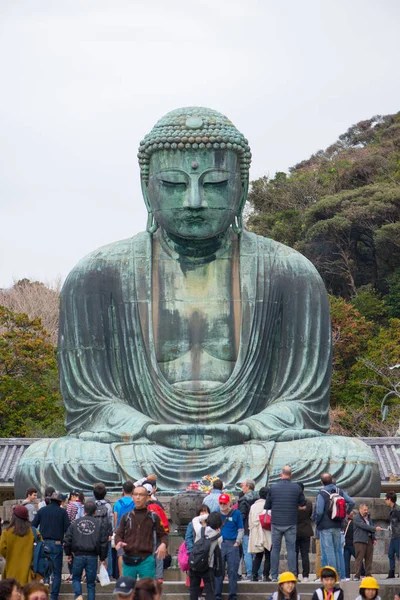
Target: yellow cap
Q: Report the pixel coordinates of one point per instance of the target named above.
(369, 583)
(286, 577)
(332, 569)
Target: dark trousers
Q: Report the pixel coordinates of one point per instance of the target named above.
(394, 548)
(56, 555)
(303, 547)
(209, 584)
(348, 552)
(364, 552)
(89, 565)
(230, 556)
(257, 560)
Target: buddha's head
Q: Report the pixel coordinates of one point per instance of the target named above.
(195, 173)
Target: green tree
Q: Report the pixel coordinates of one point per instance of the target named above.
(30, 400)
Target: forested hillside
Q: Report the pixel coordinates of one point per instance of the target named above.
(341, 209)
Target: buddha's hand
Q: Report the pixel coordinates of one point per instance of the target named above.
(198, 437)
(289, 435)
(105, 437)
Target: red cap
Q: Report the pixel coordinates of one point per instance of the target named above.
(224, 499)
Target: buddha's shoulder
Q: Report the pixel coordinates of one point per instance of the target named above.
(112, 256)
(278, 254)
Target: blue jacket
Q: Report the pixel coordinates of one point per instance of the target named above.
(284, 499)
(322, 506)
(212, 500)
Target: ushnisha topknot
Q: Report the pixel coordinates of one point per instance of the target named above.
(194, 127)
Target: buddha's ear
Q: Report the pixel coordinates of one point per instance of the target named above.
(152, 224)
(245, 191)
(145, 195)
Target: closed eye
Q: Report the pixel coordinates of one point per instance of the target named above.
(215, 183)
(180, 185)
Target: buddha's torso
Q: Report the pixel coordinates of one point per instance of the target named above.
(202, 303)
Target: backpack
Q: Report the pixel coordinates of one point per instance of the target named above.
(41, 562)
(200, 553)
(337, 505)
(102, 513)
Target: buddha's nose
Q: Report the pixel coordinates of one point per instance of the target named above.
(194, 198)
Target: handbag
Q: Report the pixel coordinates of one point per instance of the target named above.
(183, 557)
(265, 521)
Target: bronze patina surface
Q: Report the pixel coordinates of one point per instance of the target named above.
(195, 347)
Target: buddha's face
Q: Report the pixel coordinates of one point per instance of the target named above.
(194, 193)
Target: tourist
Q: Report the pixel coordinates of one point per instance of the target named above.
(48, 491)
(155, 506)
(364, 540)
(30, 502)
(10, 589)
(104, 511)
(329, 578)
(75, 509)
(284, 499)
(211, 524)
(36, 591)
(349, 550)
(244, 505)
(212, 500)
(329, 529)
(123, 505)
(232, 534)
(286, 587)
(135, 535)
(189, 535)
(369, 589)
(86, 540)
(259, 538)
(16, 546)
(394, 518)
(147, 589)
(53, 523)
(304, 534)
(125, 588)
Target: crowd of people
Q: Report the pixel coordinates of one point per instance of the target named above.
(237, 539)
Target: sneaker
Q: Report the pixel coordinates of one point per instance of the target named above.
(274, 580)
(356, 579)
(305, 579)
(347, 579)
(267, 579)
(317, 580)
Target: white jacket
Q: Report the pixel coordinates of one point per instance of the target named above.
(259, 538)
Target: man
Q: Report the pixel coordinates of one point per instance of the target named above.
(364, 541)
(104, 511)
(245, 503)
(85, 541)
(123, 505)
(138, 533)
(232, 534)
(284, 499)
(329, 529)
(212, 500)
(394, 518)
(53, 523)
(30, 502)
(125, 588)
(304, 533)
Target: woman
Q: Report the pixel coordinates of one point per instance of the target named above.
(286, 587)
(369, 589)
(147, 589)
(259, 538)
(189, 537)
(16, 545)
(36, 591)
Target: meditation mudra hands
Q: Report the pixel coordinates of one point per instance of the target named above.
(198, 437)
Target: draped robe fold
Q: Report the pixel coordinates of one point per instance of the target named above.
(113, 388)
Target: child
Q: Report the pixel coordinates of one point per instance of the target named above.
(286, 587)
(328, 578)
(369, 589)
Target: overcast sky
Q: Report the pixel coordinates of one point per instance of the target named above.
(83, 81)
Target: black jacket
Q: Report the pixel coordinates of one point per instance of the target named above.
(87, 536)
(362, 531)
(395, 521)
(284, 499)
(244, 505)
(304, 524)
